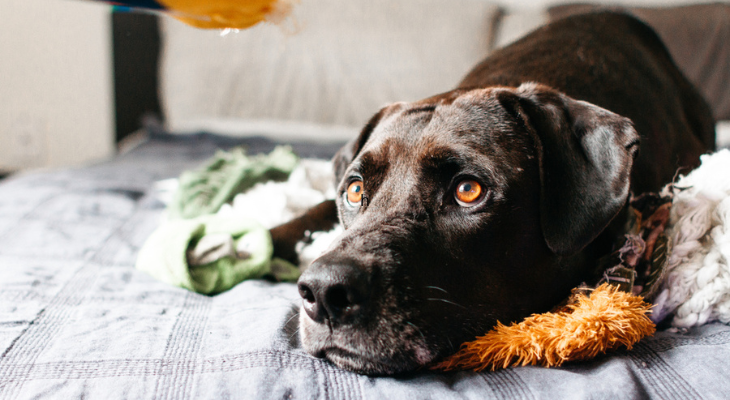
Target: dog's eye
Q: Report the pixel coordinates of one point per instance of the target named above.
(354, 193)
(468, 193)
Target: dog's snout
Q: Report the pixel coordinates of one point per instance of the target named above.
(337, 292)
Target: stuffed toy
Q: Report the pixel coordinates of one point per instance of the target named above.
(600, 321)
(216, 14)
(204, 251)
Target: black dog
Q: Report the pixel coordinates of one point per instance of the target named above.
(490, 202)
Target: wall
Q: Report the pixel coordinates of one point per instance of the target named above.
(56, 105)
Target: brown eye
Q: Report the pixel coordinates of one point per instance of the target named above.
(354, 192)
(468, 192)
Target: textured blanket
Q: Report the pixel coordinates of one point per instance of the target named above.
(77, 320)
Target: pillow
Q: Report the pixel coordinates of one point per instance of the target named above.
(696, 36)
(335, 62)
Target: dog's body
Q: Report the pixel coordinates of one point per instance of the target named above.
(490, 202)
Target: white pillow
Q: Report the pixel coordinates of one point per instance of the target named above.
(344, 60)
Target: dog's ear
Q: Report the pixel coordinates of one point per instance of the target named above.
(585, 154)
(349, 151)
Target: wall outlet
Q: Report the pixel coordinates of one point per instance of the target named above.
(25, 142)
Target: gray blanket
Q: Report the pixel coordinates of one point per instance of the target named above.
(78, 321)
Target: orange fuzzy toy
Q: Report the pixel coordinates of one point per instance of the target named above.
(585, 328)
(236, 14)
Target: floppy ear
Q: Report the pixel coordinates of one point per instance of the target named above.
(585, 154)
(349, 151)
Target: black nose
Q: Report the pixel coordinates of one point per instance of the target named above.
(332, 290)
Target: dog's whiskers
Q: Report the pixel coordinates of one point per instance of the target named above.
(419, 331)
(296, 314)
(437, 288)
(296, 331)
(446, 301)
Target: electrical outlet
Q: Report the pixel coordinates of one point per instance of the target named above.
(26, 142)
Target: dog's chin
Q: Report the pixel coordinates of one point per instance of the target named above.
(379, 354)
(360, 364)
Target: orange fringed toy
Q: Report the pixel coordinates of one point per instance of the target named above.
(217, 14)
(587, 327)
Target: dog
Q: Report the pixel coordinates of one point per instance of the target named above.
(492, 201)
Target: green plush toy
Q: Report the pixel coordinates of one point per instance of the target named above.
(240, 249)
(201, 251)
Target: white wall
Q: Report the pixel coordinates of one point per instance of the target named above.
(56, 103)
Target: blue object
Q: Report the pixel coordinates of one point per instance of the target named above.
(150, 4)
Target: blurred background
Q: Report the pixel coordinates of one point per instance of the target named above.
(80, 80)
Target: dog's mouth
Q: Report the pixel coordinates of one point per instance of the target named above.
(361, 363)
(381, 352)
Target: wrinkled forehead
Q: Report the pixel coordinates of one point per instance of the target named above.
(470, 126)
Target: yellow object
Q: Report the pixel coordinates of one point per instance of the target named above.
(235, 14)
(585, 328)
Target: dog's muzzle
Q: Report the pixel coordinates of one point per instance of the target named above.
(335, 292)
(355, 321)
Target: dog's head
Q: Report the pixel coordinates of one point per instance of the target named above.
(461, 210)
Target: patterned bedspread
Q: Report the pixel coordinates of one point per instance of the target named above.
(77, 320)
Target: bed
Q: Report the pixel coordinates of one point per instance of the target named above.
(77, 320)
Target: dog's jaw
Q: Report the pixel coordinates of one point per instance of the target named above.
(383, 354)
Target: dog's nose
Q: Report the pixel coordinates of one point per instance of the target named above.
(338, 291)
